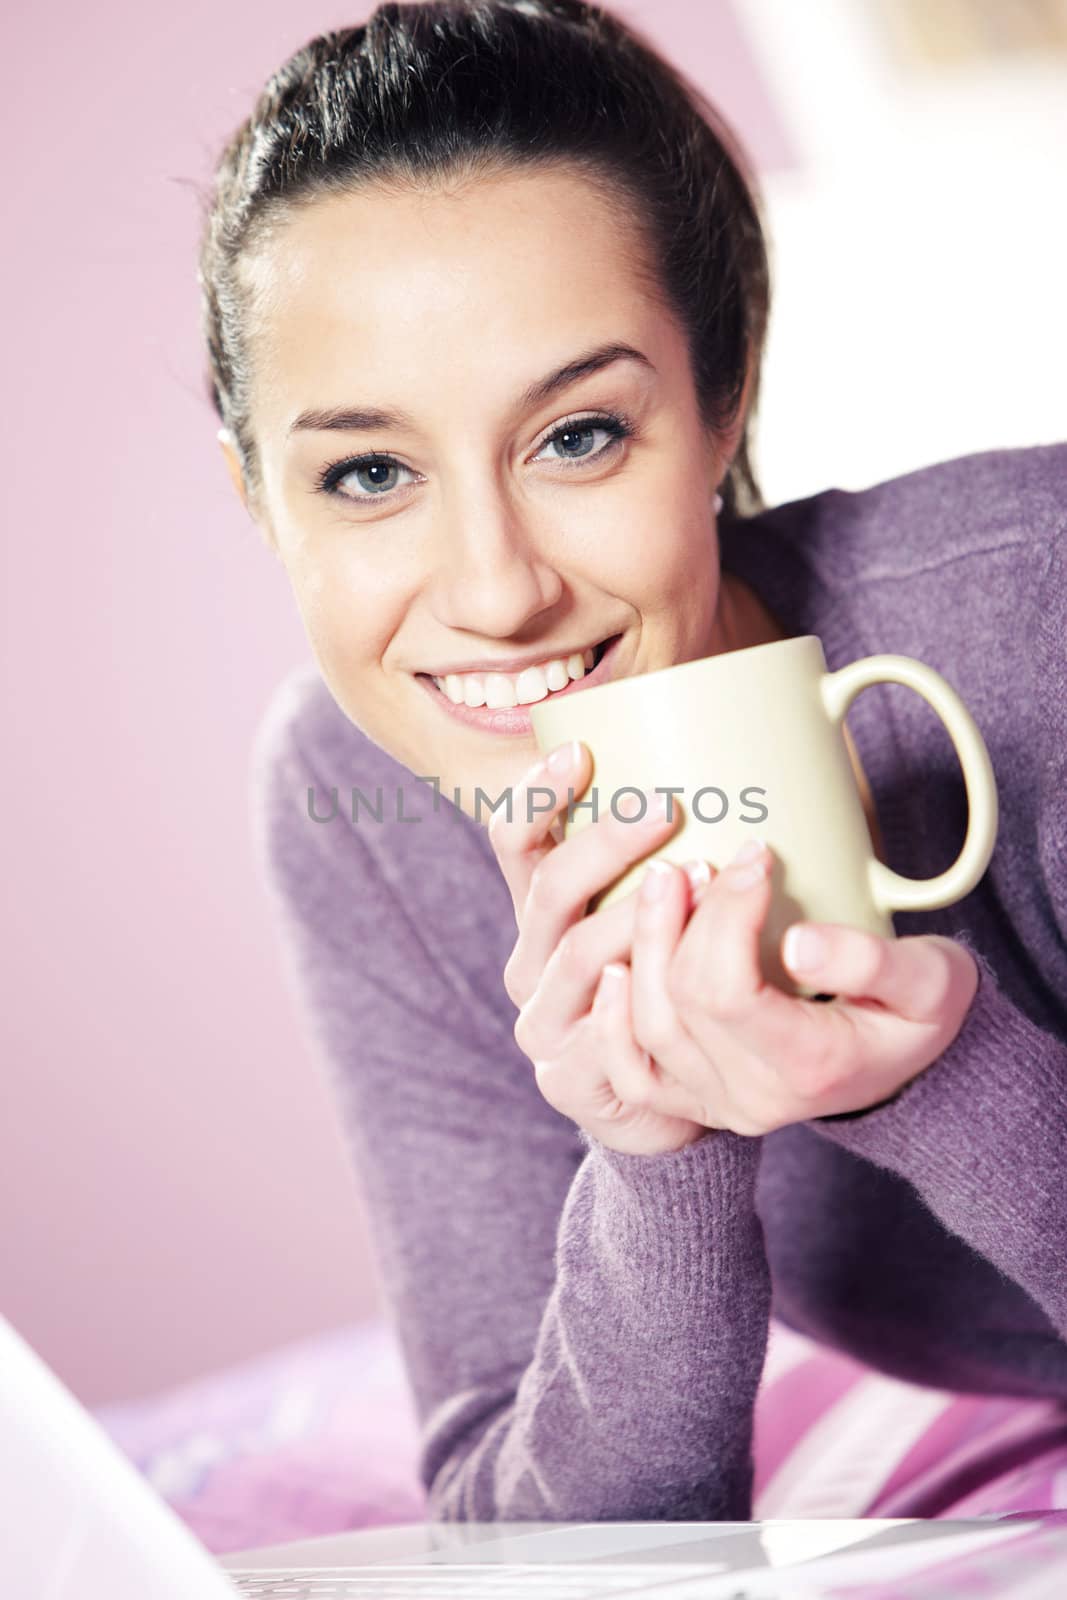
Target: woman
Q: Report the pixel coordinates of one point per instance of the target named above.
(485, 293)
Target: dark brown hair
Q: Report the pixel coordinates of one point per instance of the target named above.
(448, 88)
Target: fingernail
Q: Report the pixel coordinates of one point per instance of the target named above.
(803, 948)
(608, 987)
(657, 805)
(748, 866)
(699, 875)
(648, 806)
(565, 757)
(654, 882)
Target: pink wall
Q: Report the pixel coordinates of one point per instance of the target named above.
(173, 1189)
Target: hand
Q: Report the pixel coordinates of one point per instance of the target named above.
(755, 1058)
(561, 972)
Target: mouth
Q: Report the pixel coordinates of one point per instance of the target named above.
(515, 720)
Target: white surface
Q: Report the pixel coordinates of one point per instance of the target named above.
(685, 1561)
(918, 260)
(78, 1520)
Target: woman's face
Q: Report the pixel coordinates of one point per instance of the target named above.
(453, 315)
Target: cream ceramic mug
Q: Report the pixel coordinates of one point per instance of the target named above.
(751, 743)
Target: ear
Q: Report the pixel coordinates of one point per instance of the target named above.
(233, 463)
(730, 442)
(233, 467)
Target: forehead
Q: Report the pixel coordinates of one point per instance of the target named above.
(379, 291)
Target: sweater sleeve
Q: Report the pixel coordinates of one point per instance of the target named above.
(583, 1331)
(981, 1133)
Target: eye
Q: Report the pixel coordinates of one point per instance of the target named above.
(375, 472)
(574, 436)
(377, 469)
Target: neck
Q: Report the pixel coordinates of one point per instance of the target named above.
(745, 620)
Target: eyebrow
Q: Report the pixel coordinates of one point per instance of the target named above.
(351, 419)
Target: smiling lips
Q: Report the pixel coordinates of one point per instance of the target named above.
(501, 690)
(514, 719)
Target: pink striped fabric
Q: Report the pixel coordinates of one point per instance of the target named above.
(320, 1436)
(835, 1439)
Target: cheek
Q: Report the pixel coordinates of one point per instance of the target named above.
(319, 602)
(348, 618)
(664, 535)
(668, 559)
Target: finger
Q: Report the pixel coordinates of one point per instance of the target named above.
(716, 979)
(565, 879)
(521, 833)
(634, 1077)
(916, 977)
(606, 1039)
(572, 972)
(662, 909)
(569, 982)
(700, 874)
(717, 962)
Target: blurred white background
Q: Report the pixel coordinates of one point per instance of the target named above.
(920, 244)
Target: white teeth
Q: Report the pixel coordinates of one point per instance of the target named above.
(531, 685)
(501, 689)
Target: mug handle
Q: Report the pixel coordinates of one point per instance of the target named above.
(890, 890)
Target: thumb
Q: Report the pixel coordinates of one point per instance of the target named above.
(914, 976)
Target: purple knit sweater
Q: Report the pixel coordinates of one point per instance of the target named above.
(584, 1331)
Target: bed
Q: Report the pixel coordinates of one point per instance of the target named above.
(320, 1436)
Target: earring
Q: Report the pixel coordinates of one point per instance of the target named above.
(717, 502)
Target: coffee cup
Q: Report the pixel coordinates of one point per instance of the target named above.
(752, 743)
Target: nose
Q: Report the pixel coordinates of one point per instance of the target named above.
(491, 575)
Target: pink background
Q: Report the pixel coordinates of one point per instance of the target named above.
(174, 1192)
